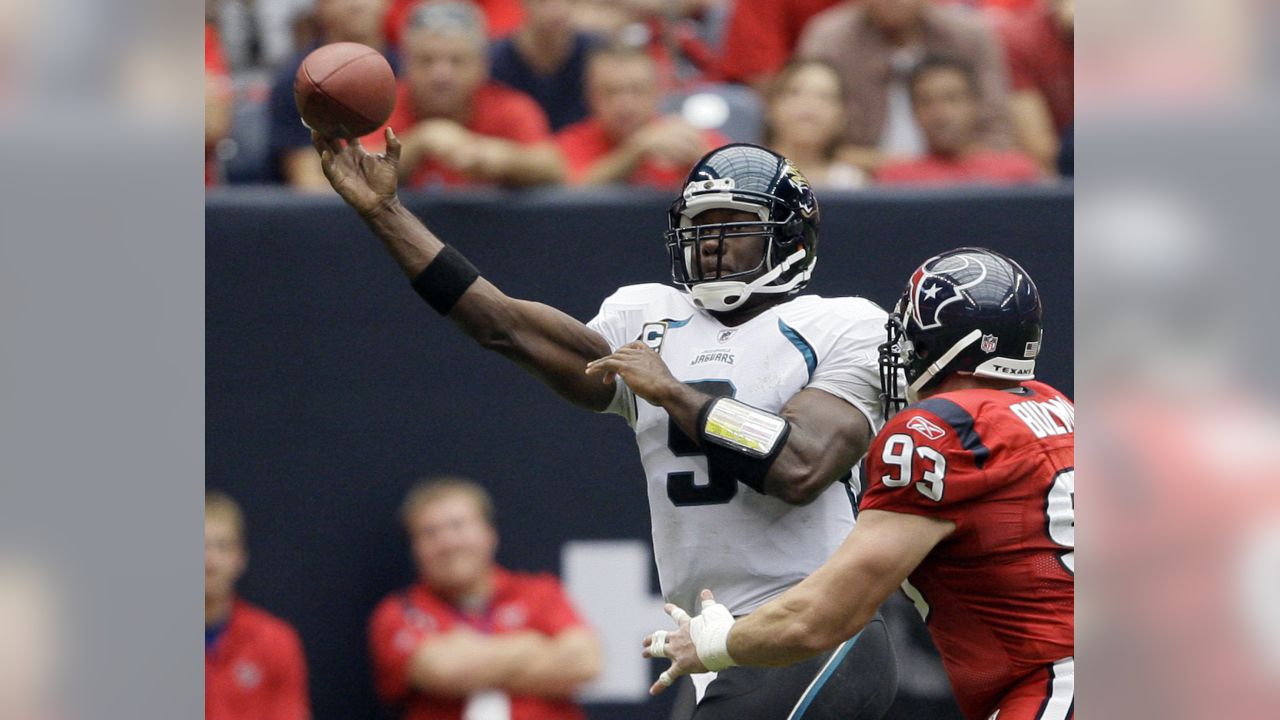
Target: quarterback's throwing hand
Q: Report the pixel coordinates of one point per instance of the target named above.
(367, 181)
(697, 645)
(640, 368)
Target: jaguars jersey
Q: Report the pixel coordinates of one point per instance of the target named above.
(708, 529)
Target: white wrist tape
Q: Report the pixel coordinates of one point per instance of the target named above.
(710, 634)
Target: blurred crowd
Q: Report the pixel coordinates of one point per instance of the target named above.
(518, 93)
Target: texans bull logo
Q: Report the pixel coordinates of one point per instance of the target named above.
(937, 286)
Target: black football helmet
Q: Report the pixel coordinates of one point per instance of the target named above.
(969, 309)
(744, 177)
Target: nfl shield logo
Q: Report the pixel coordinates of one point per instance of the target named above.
(989, 343)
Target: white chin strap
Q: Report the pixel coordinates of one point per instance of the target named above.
(726, 295)
(997, 367)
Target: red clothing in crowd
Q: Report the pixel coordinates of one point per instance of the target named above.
(984, 166)
(762, 35)
(502, 16)
(1041, 58)
(216, 74)
(496, 110)
(255, 670)
(404, 619)
(584, 144)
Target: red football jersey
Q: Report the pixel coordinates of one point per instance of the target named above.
(998, 594)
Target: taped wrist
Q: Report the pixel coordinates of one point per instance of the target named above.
(710, 634)
(741, 439)
(445, 279)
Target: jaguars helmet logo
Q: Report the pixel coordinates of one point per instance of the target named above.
(792, 175)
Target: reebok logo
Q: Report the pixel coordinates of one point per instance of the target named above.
(925, 428)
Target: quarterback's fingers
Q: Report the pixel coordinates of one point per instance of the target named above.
(657, 645)
(322, 143)
(393, 145)
(667, 677)
(680, 616)
(707, 599)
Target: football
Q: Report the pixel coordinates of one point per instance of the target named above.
(344, 90)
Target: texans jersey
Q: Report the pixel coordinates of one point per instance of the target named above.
(708, 529)
(998, 594)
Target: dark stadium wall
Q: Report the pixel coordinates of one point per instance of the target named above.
(330, 387)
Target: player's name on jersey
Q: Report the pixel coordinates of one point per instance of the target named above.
(1048, 418)
(724, 357)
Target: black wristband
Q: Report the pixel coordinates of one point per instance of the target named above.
(445, 279)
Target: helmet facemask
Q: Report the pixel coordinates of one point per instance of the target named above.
(894, 356)
(720, 291)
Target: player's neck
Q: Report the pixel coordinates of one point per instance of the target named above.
(967, 381)
(749, 311)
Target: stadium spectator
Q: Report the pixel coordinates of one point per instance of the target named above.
(502, 17)
(217, 101)
(456, 125)
(627, 139)
(1039, 44)
(339, 21)
(805, 122)
(254, 668)
(546, 58)
(876, 43)
(944, 96)
(676, 34)
(470, 634)
(762, 35)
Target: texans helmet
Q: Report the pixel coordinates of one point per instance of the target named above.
(969, 309)
(753, 179)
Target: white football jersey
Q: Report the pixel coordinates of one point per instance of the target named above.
(715, 532)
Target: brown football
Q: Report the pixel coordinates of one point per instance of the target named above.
(344, 90)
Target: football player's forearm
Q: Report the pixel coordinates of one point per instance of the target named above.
(782, 632)
(684, 405)
(550, 344)
(827, 437)
(408, 241)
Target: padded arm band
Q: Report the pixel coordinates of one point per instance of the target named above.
(445, 279)
(741, 439)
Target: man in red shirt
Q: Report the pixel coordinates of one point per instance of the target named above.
(471, 638)
(1039, 43)
(626, 139)
(762, 35)
(944, 97)
(456, 126)
(969, 508)
(254, 668)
